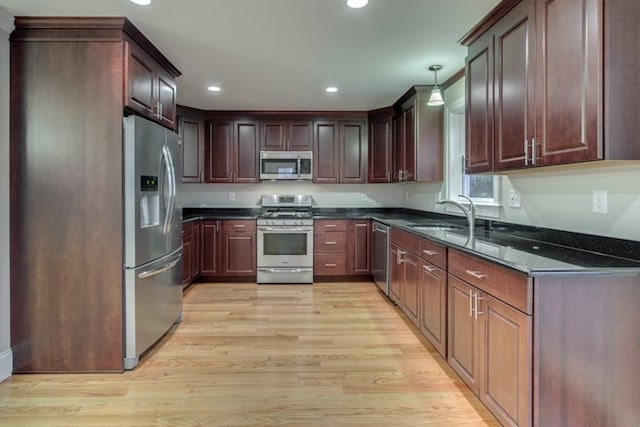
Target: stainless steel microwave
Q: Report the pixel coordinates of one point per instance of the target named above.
(286, 165)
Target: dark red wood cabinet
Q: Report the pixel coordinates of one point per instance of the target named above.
(231, 151)
(551, 83)
(238, 248)
(209, 247)
(67, 227)
(286, 135)
(191, 127)
(340, 150)
(419, 137)
(380, 154)
(190, 252)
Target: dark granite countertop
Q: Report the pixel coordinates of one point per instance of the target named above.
(534, 251)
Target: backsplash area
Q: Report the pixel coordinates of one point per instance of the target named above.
(556, 199)
(324, 195)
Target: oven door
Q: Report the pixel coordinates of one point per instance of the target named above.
(285, 246)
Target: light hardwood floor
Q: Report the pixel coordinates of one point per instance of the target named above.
(330, 354)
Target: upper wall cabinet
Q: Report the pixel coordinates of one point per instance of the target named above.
(191, 127)
(339, 152)
(545, 87)
(151, 90)
(281, 135)
(418, 137)
(231, 151)
(381, 145)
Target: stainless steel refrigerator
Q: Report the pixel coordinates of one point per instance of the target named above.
(153, 235)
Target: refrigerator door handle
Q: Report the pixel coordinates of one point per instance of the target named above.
(172, 180)
(166, 169)
(162, 269)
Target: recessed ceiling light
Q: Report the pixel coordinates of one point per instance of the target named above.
(142, 2)
(331, 89)
(356, 4)
(214, 88)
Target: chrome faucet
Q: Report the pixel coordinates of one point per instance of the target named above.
(470, 213)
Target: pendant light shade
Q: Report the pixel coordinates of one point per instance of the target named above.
(436, 96)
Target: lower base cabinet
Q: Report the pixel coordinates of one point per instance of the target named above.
(490, 341)
(190, 252)
(228, 248)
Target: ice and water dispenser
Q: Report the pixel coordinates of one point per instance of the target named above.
(149, 201)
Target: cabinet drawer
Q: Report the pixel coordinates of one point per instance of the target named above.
(405, 240)
(239, 225)
(434, 253)
(330, 242)
(321, 225)
(508, 285)
(330, 265)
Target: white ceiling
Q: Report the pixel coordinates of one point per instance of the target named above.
(281, 54)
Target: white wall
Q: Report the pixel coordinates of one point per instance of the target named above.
(324, 195)
(6, 358)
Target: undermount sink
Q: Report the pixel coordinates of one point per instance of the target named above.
(434, 227)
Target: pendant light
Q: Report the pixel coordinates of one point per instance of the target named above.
(436, 96)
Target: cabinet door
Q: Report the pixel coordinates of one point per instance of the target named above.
(325, 152)
(166, 97)
(479, 105)
(463, 337)
(299, 136)
(433, 310)
(141, 81)
(353, 152)
(514, 109)
(411, 288)
(187, 253)
(209, 259)
(246, 151)
(273, 136)
(192, 132)
(396, 275)
(409, 142)
(399, 154)
(239, 254)
(218, 151)
(569, 40)
(506, 340)
(380, 149)
(359, 247)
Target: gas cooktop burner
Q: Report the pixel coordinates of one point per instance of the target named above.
(286, 214)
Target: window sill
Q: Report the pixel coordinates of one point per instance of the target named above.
(483, 210)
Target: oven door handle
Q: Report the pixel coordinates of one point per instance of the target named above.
(283, 270)
(285, 229)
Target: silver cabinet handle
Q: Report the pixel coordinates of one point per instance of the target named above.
(470, 303)
(330, 243)
(330, 225)
(399, 256)
(477, 274)
(533, 151)
(380, 230)
(330, 265)
(238, 225)
(477, 298)
(361, 225)
(429, 268)
(430, 253)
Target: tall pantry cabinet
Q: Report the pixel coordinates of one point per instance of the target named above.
(72, 79)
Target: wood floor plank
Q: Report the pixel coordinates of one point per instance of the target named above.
(330, 354)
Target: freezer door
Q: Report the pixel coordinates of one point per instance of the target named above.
(152, 209)
(153, 303)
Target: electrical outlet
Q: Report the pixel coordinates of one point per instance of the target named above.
(232, 196)
(599, 202)
(514, 199)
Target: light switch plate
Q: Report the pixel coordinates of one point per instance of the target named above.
(599, 202)
(514, 199)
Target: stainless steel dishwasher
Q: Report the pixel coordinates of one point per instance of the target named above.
(381, 256)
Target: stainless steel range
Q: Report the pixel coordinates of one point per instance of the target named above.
(285, 239)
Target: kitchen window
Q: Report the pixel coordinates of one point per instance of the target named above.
(484, 190)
